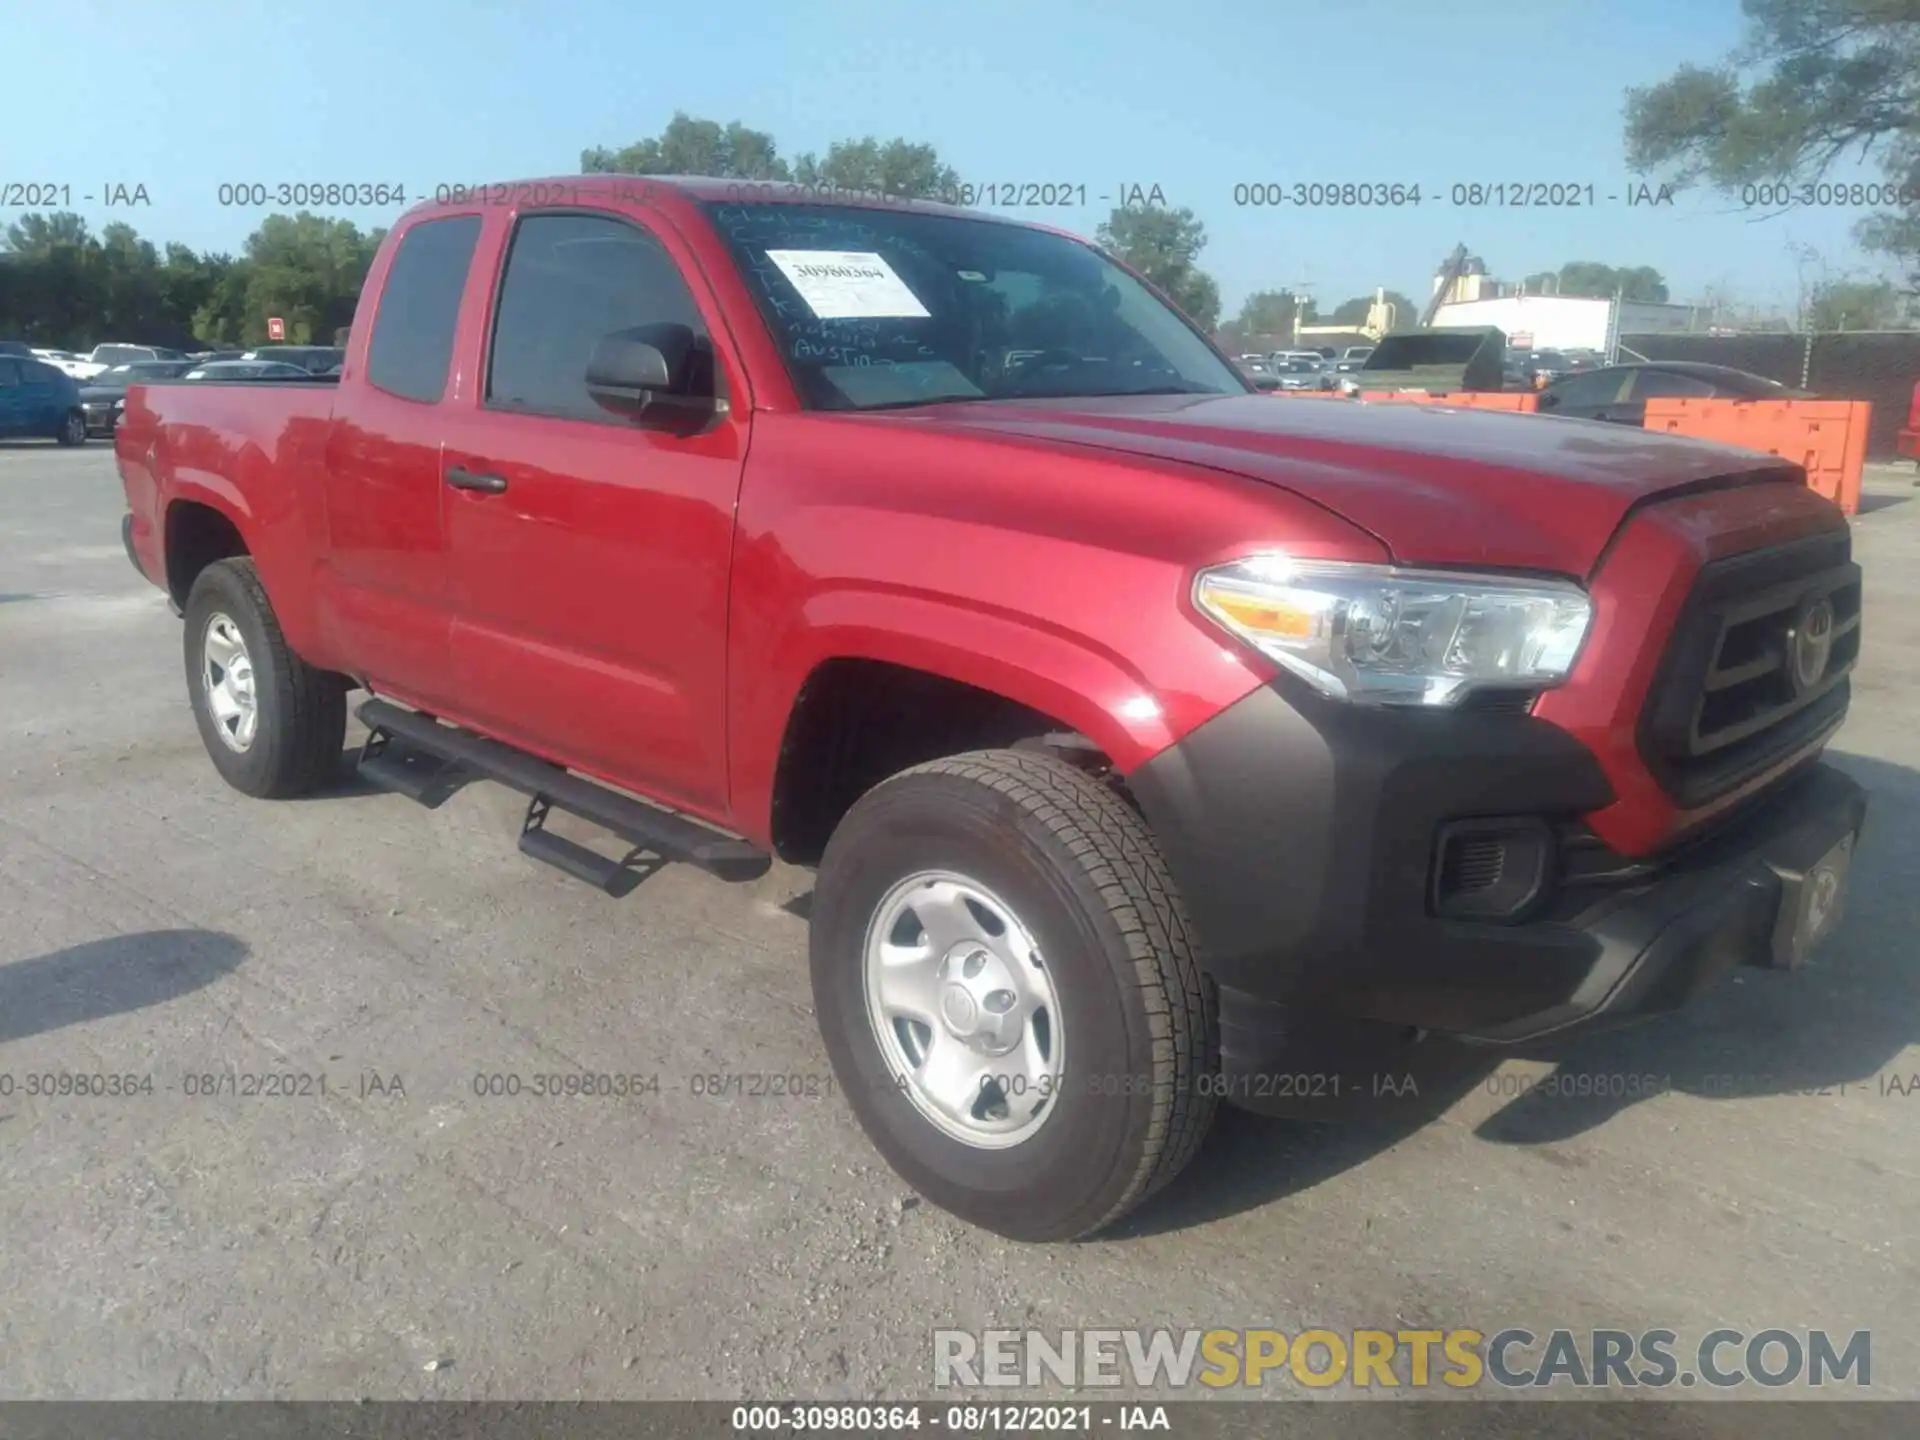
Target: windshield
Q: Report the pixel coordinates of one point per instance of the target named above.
(1298, 367)
(880, 308)
(119, 354)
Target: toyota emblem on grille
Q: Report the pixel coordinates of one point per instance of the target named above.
(1810, 644)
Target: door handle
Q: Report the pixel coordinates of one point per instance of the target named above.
(461, 478)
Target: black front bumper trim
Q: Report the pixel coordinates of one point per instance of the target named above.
(1301, 832)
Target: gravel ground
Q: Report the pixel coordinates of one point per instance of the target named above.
(401, 1236)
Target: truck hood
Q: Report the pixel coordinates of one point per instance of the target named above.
(1436, 486)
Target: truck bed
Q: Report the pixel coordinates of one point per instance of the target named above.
(241, 441)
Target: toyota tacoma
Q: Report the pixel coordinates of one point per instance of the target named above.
(1146, 736)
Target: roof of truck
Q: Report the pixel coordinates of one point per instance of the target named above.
(705, 189)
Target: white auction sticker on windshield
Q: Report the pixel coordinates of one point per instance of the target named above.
(848, 285)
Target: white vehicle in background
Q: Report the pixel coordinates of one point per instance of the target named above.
(101, 357)
(64, 361)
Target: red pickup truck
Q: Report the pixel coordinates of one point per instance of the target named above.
(1157, 742)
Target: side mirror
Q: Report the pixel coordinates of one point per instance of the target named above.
(1546, 400)
(653, 373)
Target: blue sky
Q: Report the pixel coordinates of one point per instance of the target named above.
(1197, 97)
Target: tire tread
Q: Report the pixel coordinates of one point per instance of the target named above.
(314, 701)
(1113, 847)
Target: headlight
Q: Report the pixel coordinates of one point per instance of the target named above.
(1376, 635)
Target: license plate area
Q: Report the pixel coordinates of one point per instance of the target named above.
(1811, 901)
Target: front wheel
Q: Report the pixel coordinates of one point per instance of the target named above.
(73, 428)
(1010, 995)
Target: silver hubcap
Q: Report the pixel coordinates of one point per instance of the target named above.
(76, 427)
(963, 1008)
(226, 674)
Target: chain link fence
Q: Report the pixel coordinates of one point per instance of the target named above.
(1879, 366)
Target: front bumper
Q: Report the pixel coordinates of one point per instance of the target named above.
(101, 419)
(1302, 834)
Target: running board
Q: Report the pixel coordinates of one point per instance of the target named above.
(463, 755)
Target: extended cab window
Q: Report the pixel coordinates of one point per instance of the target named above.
(419, 308)
(572, 280)
(875, 307)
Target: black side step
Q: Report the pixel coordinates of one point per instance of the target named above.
(661, 832)
(417, 774)
(616, 877)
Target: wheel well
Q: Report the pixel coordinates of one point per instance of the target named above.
(855, 722)
(197, 535)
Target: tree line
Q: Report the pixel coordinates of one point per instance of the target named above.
(1809, 86)
(63, 287)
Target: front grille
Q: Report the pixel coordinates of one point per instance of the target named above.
(1747, 679)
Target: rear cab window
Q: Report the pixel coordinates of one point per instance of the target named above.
(419, 309)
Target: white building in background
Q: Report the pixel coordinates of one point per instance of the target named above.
(1566, 322)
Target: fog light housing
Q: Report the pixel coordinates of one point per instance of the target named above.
(1492, 869)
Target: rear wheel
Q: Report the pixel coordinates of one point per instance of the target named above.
(1010, 995)
(272, 724)
(73, 428)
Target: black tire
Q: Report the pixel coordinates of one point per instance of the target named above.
(1082, 872)
(73, 428)
(302, 711)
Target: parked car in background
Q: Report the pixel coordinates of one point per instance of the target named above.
(1619, 393)
(1352, 358)
(65, 361)
(1304, 373)
(1549, 363)
(103, 357)
(101, 397)
(247, 370)
(36, 399)
(315, 359)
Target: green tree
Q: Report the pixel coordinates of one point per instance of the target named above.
(895, 167)
(306, 269)
(1356, 310)
(694, 147)
(1854, 305)
(1812, 83)
(1591, 278)
(1164, 246)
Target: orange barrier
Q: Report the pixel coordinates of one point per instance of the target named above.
(1518, 402)
(1827, 437)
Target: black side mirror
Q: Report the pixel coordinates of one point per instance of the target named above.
(653, 373)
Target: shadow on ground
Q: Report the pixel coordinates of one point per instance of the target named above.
(110, 977)
(1842, 1021)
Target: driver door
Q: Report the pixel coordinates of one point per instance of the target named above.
(591, 554)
